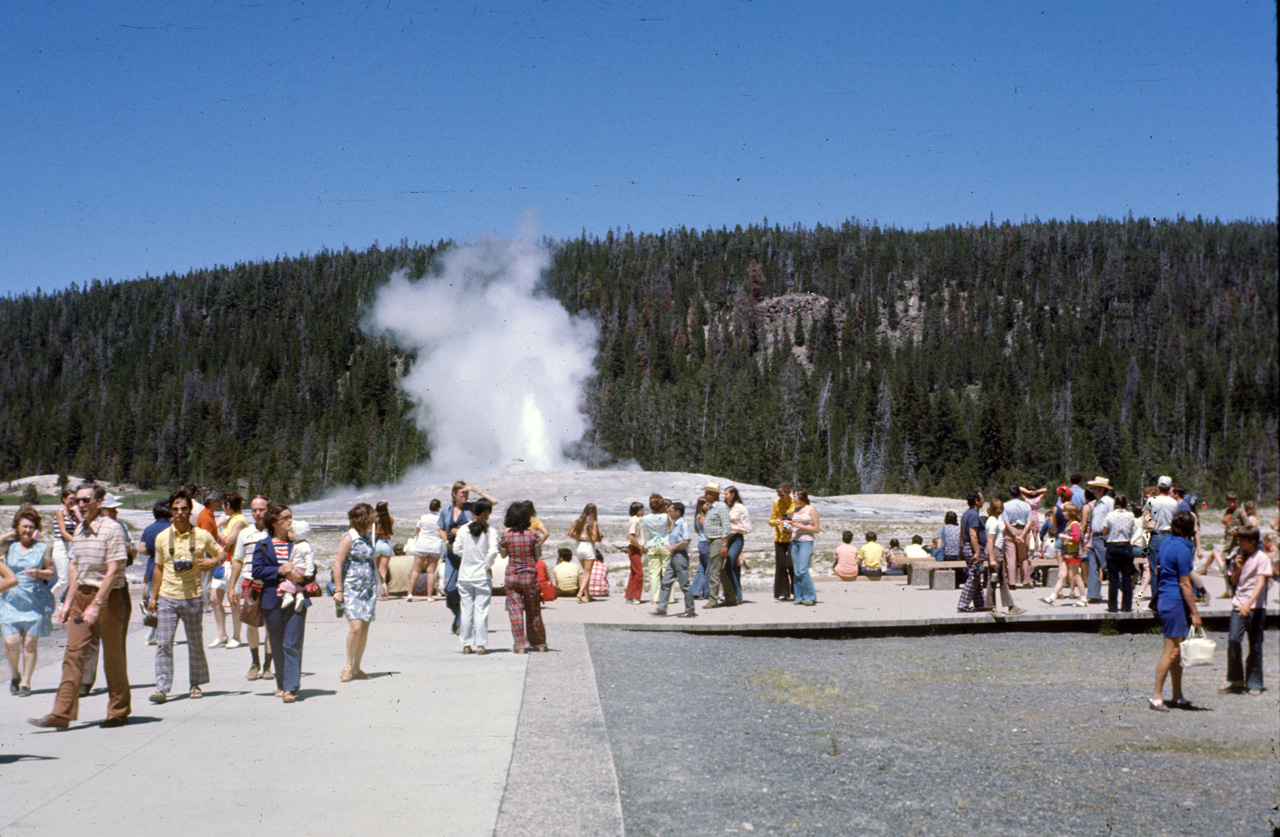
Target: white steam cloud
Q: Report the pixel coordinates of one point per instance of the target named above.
(500, 367)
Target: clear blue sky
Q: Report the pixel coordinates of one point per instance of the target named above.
(149, 137)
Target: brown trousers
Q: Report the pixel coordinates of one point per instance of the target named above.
(111, 627)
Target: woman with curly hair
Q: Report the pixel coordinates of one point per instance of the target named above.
(27, 610)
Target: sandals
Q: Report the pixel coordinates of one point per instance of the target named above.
(345, 677)
(359, 674)
(289, 697)
(1157, 705)
(1231, 688)
(158, 697)
(279, 693)
(196, 693)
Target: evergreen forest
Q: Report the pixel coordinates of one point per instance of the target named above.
(845, 359)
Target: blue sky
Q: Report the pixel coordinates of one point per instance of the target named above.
(149, 137)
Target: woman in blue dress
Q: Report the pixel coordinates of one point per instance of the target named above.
(356, 584)
(26, 611)
(1175, 607)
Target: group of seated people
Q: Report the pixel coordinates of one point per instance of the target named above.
(872, 560)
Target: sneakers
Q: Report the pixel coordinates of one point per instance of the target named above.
(299, 603)
(286, 601)
(219, 642)
(409, 598)
(233, 643)
(1047, 599)
(1079, 603)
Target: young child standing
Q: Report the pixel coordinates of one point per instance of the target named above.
(678, 567)
(1249, 572)
(302, 557)
(1071, 540)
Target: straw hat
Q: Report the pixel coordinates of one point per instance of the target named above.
(711, 485)
(1100, 482)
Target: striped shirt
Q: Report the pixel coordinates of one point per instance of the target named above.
(97, 544)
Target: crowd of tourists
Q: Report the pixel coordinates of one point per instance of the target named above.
(202, 553)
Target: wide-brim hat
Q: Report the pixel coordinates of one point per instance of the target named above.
(111, 501)
(711, 485)
(1100, 482)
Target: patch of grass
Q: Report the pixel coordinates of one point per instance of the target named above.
(18, 499)
(781, 686)
(1202, 747)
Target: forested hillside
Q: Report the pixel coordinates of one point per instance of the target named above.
(846, 359)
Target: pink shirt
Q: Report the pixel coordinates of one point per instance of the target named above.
(1256, 570)
(846, 560)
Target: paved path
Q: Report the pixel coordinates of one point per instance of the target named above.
(427, 740)
(431, 744)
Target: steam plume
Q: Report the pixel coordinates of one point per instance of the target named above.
(500, 367)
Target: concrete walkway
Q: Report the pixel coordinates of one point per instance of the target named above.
(437, 742)
(427, 741)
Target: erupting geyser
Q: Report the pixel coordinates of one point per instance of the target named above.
(500, 367)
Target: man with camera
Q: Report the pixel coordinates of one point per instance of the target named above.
(183, 554)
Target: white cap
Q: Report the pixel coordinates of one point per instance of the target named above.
(1165, 482)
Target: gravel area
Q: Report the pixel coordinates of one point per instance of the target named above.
(993, 734)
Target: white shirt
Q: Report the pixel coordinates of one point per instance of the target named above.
(1119, 525)
(995, 527)
(477, 554)
(428, 541)
(1162, 508)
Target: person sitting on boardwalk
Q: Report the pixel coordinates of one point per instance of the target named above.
(871, 558)
(894, 559)
(846, 564)
(915, 550)
(568, 575)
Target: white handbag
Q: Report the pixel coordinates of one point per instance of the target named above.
(1197, 649)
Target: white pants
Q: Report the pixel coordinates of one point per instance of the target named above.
(62, 555)
(475, 612)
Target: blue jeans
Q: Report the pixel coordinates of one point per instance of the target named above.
(801, 553)
(701, 583)
(1251, 628)
(731, 568)
(287, 627)
(1097, 560)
